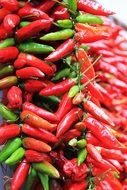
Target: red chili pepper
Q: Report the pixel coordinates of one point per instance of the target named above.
(93, 7)
(102, 133)
(32, 29)
(29, 72)
(39, 133)
(94, 153)
(34, 120)
(121, 68)
(80, 126)
(63, 50)
(20, 175)
(59, 88)
(31, 143)
(73, 133)
(8, 54)
(12, 5)
(9, 131)
(97, 112)
(33, 156)
(14, 97)
(31, 13)
(36, 85)
(91, 139)
(46, 6)
(28, 96)
(119, 84)
(31, 60)
(3, 13)
(60, 12)
(78, 98)
(11, 21)
(68, 120)
(40, 111)
(75, 172)
(4, 33)
(64, 107)
(116, 164)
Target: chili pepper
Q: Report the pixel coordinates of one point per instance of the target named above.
(7, 42)
(30, 179)
(68, 120)
(6, 70)
(31, 143)
(40, 111)
(3, 13)
(116, 164)
(24, 23)
(93, 7)
(118, 83)
(55, 185)
(73, 91)
(8, 54)
(12, 5)
(59, 88)
(11, 21)
(72, 142)
(15, 157)
(59, 35)
(9, 131)
(20, 175)
(66, 23)
(7, 114)
(31, 118)
(71, 134)
(75, 172)
(30, 60)
(39, 134)
(72, 5)
(31, 13)
(60, 13)
(94, 153)
(35, 48)
(14, 97)
(89, 18)
(46, 6)
(33, 156)
(63, 50)
(3, 33)
(44, 180)
(80, 186)
(37, 85)
(32, 29)
(108, 139)
(29, 72)
(78, 98)
(81, 143)
(98, 113)
(47, 168)
(9, 148)
(81, 156)
(61, 74)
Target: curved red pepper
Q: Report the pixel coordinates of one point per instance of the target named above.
(61, 51)
(36, 85)
(11, 21)
(12, 5)
(60, 12)
(94, 153)
(68, 120)
(14, 97)
(72, 133)
(46, 6)
(8, 54)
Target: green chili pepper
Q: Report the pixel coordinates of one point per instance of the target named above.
(47, 168)
(60, 74)
(82, 156)
(7, 114)
(85, 47)
(36, 48)
(89, 18)
(60, 35)
(7, 42)
(66, 23)
(72, 5)
(81, 143)
(24, 23)
(9, 148)
(73, 91)
(72, 142)
(6, 70)
(44, 180)
(30, 179)
(8, 82)
(15, 157)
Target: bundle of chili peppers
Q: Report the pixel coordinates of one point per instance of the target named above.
(63, 75)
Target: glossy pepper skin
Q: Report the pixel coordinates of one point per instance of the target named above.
(37, 85)
(31, 118)
(93, 7)
(8, 54)
(20, 175)
(61, 51)
(11, 21)
(14, 97)
(6, 71)
(39, 134)
(60, 12)
(12, 5)
(46, 6)
(68, 120)
(7, 42)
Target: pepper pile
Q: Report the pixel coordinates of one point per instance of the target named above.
(63, 76)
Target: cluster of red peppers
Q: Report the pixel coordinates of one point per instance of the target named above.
(63, 68)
